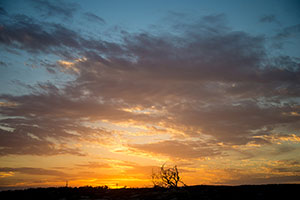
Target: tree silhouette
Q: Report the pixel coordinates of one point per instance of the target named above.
(168, 178)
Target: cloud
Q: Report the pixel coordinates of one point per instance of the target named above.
(94, 165)
(60, 8)
(26, 33)
(207, 79)
(33, 171)
(179, 149)
(278, 138)
(92, 17)
(290, 31)
(41, 125)
(269, 19)
(263, 180)
(33, 37)
(3, 11)
(3, 64)
(289, 162)
(23, 140)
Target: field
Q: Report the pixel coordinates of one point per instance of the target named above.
(203, 192)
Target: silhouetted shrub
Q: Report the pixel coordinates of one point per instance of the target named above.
(168, 178)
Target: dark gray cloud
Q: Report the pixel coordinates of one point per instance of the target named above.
(3, 63)
(269, 19)
(54, 8)
(20, 142)
(234, 123)
(92, 17)
(3, 11)
(33, 37)
(26, 33)
(290, 31)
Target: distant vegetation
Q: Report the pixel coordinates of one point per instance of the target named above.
(181, 193)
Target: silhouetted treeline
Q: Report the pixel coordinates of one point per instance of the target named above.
(288, 191)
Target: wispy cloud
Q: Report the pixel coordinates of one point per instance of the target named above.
(33, 171)
(179, 149)
(92, 17)
(269, 19)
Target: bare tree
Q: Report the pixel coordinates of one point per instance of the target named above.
(166, 177)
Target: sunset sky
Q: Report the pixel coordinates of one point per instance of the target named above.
(104, 92)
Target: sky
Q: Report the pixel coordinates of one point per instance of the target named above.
(105, 92)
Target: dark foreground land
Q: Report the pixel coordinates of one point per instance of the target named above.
(285, 192)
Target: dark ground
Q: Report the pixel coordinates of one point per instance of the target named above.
(285, 192)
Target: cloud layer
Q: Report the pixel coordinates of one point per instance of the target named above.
(209, 88)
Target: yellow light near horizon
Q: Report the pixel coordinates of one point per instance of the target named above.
(6, 174)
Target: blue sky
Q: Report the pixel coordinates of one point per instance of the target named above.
(122, 87)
